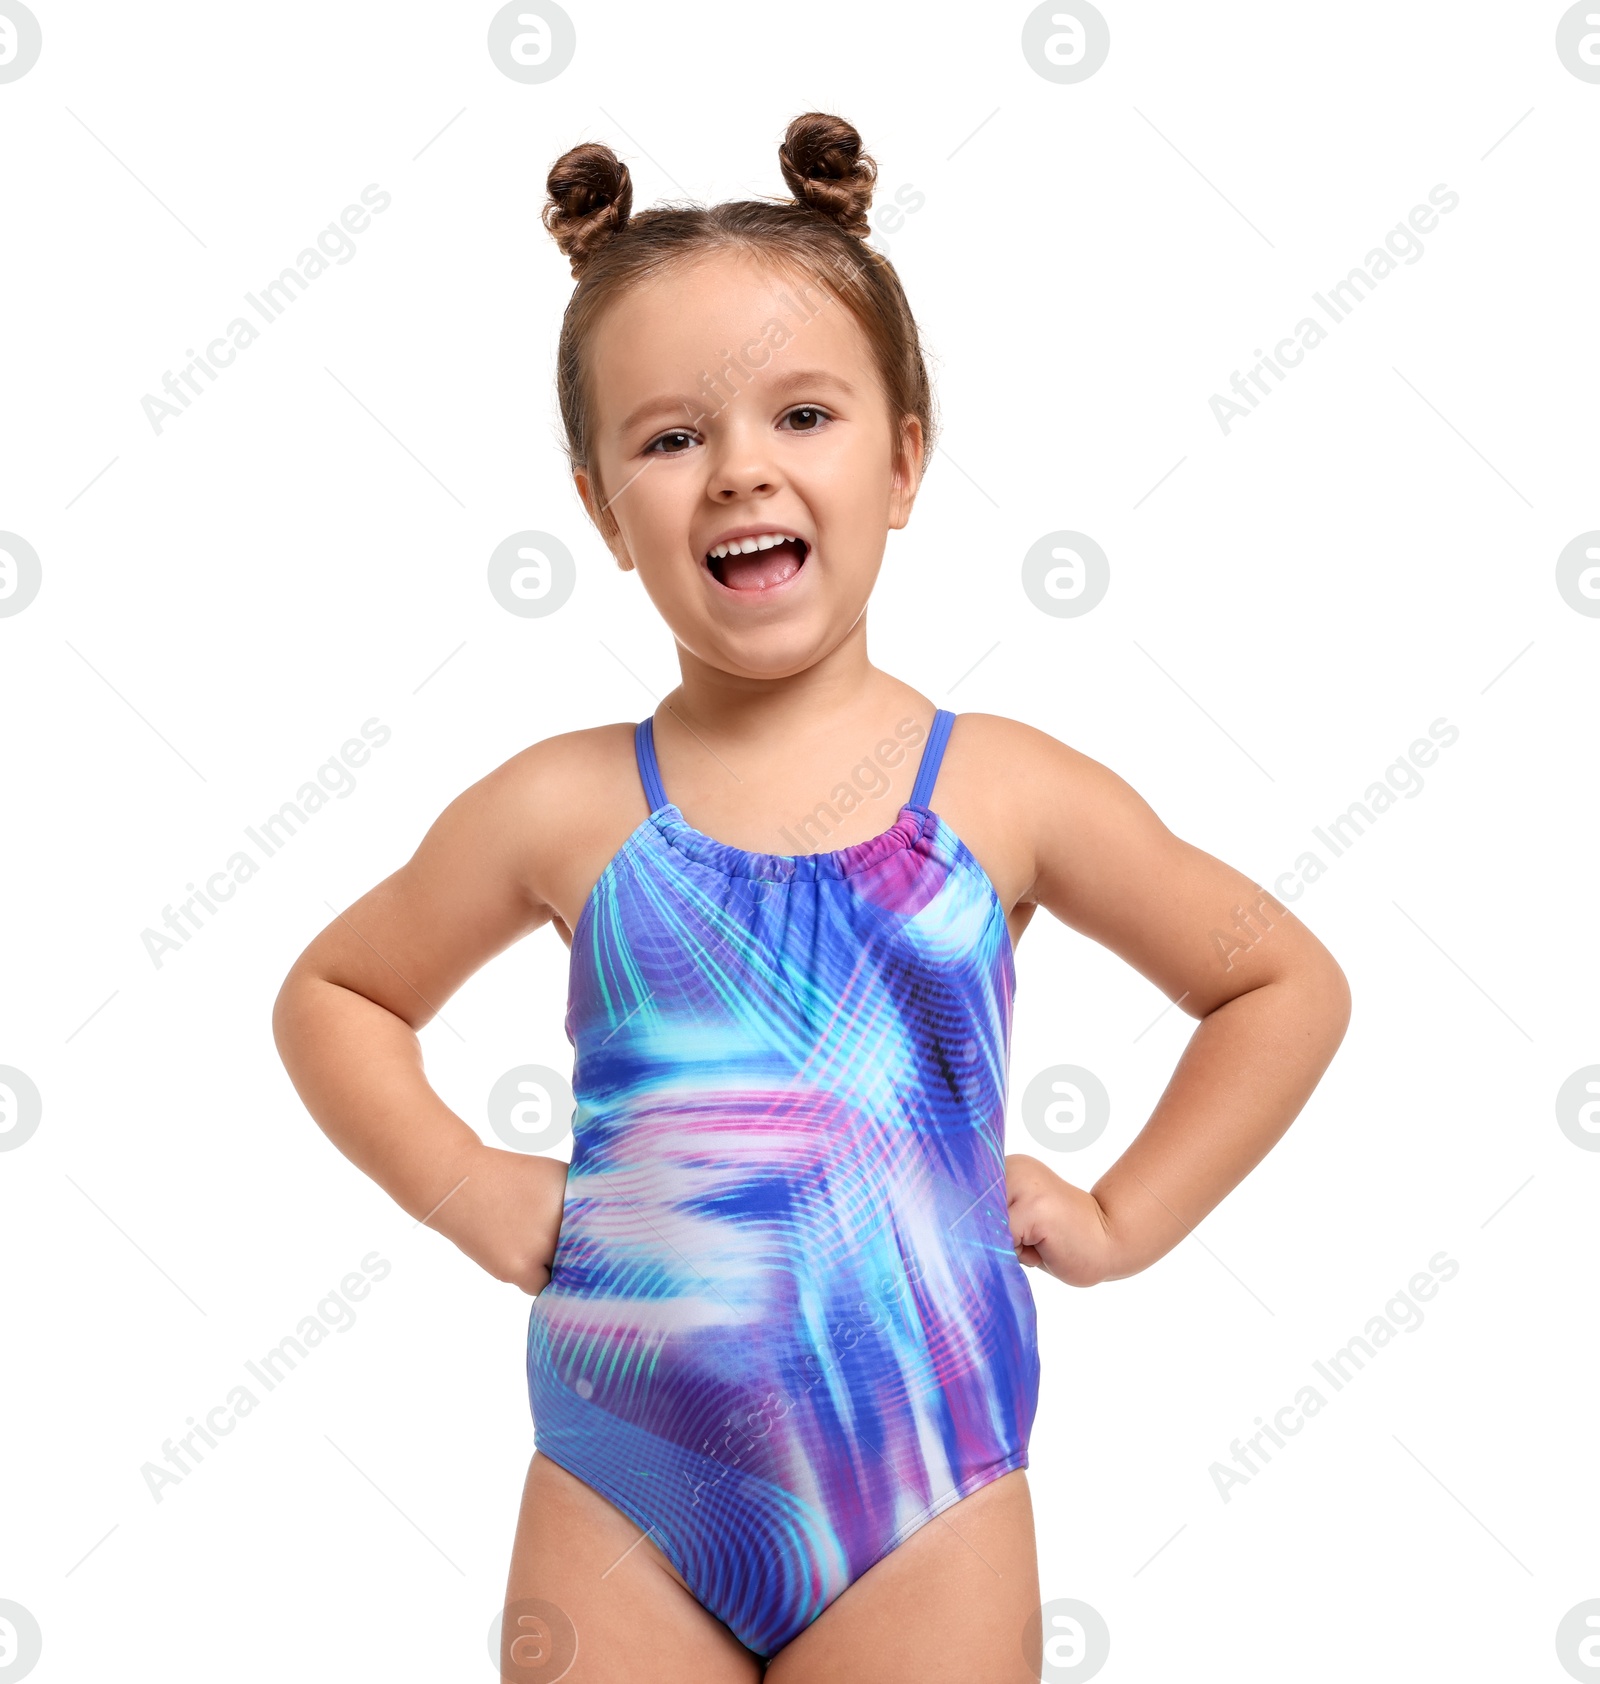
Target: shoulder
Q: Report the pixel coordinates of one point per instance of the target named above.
(566, 770)
(1061, 804)
(1013, 740)
(1012, 756)
(553, 762)
(561, 796)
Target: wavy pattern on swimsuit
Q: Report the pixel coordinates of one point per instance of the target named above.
(786, 1325)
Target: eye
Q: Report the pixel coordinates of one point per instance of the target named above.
(807, 418)
(669, 440)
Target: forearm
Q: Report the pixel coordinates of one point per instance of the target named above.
(1248, 1069)
(358, 1070)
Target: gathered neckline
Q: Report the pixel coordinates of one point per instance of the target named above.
(913, 822)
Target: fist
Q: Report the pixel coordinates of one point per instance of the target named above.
(1055, 1226)
(505, 1214)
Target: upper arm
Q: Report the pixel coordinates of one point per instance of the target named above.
(1105, 863)
(462, 897)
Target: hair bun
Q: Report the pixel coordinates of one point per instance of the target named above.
(822, 161)
(591, 194)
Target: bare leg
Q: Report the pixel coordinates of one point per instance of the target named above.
(592, 1600)
(951, 1605)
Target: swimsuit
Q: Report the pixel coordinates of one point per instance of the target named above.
(786, 1325)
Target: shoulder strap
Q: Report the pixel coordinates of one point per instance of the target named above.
(644, 751)
(932, 754)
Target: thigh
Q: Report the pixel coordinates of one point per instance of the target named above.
(953, 1604)
(591, 1599)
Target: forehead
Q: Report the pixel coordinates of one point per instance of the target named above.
(668, 333)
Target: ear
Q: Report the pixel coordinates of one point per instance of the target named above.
(907, 472)
(605, 522)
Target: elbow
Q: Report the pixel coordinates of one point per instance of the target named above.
(286, 1008)
(282, 1020)
(1333, 990)
(1341, 985)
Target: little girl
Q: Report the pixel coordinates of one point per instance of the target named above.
(781, 1354)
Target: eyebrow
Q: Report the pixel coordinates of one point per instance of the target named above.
(696, 403)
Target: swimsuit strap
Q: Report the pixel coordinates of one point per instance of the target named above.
(644, 750)
(932, 754)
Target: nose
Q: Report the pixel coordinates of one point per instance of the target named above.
(733, 493)
(742, 467)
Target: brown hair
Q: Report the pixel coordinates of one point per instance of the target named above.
(819, 233)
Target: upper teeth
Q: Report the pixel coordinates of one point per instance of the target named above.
(745, 546)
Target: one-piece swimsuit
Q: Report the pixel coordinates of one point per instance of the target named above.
(786, 1324)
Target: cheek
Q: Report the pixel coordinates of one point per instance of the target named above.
(854, 479)
(655, 508)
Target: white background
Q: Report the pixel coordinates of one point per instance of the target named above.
(224, 603)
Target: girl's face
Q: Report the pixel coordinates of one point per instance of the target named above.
(733, 402)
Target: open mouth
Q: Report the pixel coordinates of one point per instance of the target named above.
(757, 563)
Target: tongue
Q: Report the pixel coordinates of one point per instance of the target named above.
(761, 569)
